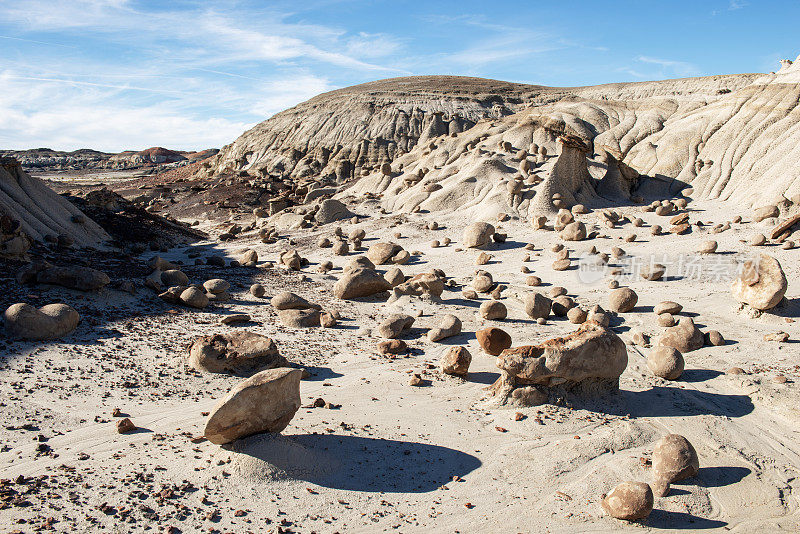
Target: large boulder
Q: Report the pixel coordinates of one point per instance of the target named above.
(591, 354)
(674, 459)
(80, 278)
(421, 284)
(537, 306)
(493, 340)
(449, 326)
(48, 322)
(265, 402)
(622, 300)
(234, 352)
(455, 361)
(683, 337)
(381, 253)
(761, 284)
(300, 318)
(629, 501)
(394, 325)
(477, 234)
(360, 283)
(574, 231)
(331, 210)
(291, 301)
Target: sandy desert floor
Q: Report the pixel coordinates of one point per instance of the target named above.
(392, 457)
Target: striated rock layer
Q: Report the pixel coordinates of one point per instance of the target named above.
(456, 142)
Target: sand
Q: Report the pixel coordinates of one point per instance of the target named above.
(437, 458)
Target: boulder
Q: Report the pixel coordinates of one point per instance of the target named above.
(392, 346)
(667, 306)
(421, 284)
(248, 258)
(493, 340)
(493, 310)
(477, 235)
(653, 272)
(258, 290)
(394, 325)
(761, 284)
(331, 210)
(577, 315)
(359, 262)
(674, 459)
(194, 296)
(48, 322)
(290, 301)
(665, 362)
(449, 326)
(574, 231)
(629, 501)
(216, 286)
(80, 278)
(395, 277)
(622, 300)
(300, 318)
(265, 402)
(382, 253)
(483, 282)
(683, 337)
(591, 352)
(537, 306)
(360, 283)
(562, 305)
(234, 352)
(707, 247)
(455, 361)
(765, 212)
(291, 259)
(173, 277)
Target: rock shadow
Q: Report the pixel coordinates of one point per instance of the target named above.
(663, 519)
(666, 401)
(352, 463)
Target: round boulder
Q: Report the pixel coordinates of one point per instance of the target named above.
(629, 501)
(493, 340)
(665, 362)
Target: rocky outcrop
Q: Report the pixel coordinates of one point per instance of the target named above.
(40, 212)
(592, 354)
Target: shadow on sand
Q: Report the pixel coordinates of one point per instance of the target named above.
(352, 463)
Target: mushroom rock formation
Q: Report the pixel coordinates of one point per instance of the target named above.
(569, 177)
(591, 358)
(619, 179)
(40, 211)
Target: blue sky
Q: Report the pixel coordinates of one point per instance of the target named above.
(120, 74)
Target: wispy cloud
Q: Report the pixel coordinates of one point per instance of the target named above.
(671, 67)
(177, 76)
(735, 5)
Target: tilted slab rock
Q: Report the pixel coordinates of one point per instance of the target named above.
(265, 402)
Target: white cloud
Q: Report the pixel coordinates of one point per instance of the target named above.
(672, 67)
(184, 79)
